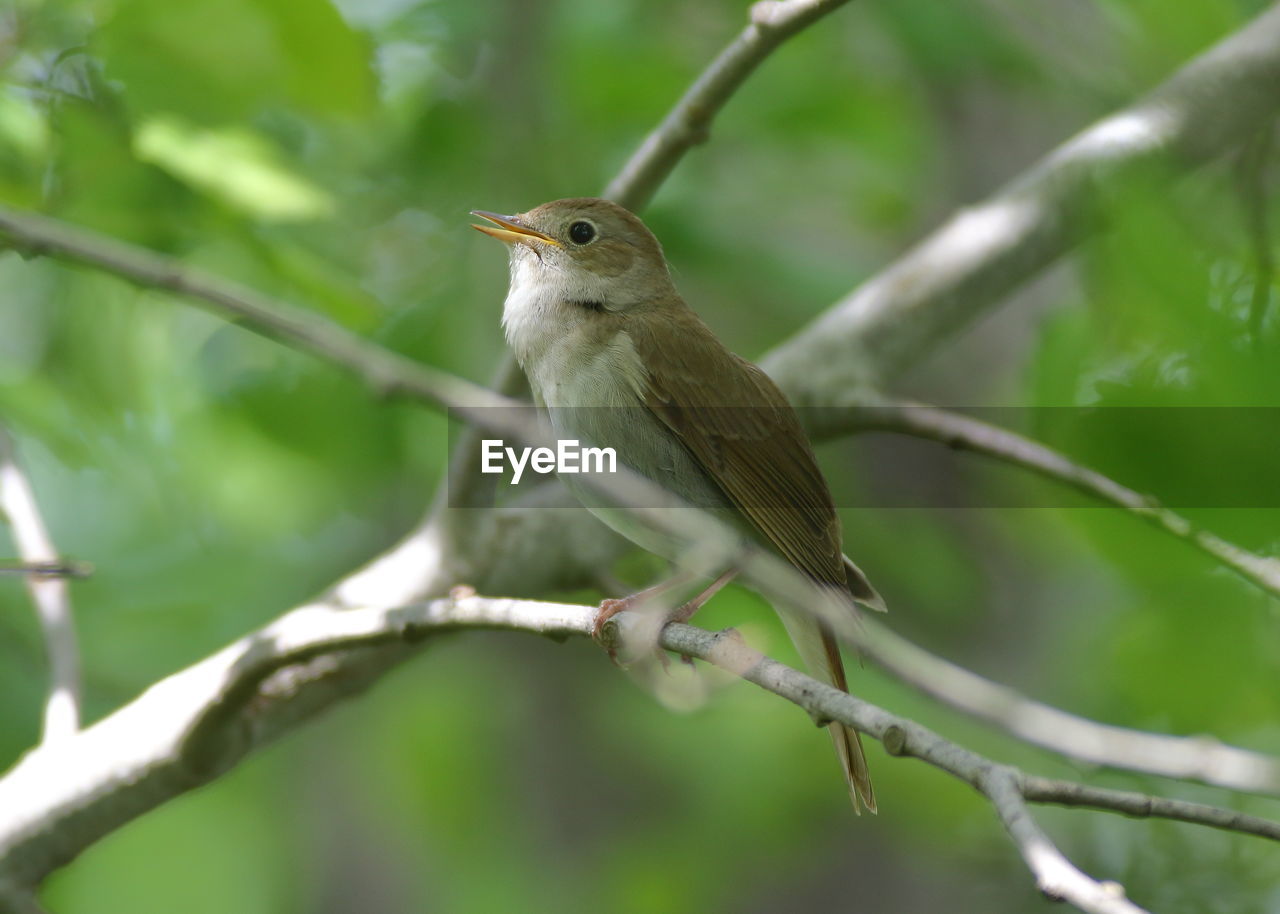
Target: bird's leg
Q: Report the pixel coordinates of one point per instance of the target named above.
(683, 613)
(610, 608)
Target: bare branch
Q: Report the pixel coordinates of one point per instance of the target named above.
(967, 433)
(906, 738)
(1197, 758)
(1143, 806)
(192, 726)
(197, 723)
(48, 592)
(1057, 878)
(689, 122)
(386, 372)
(1210, 106)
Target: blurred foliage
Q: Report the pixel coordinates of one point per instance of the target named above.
(328, 153)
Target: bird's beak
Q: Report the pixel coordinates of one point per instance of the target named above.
(510, 229)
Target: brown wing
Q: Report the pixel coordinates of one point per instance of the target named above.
(744, 433)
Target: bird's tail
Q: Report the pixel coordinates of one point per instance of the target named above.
(821, 654)
(848, 741)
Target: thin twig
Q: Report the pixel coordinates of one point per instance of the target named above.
(62, 568)
(962, 432)
(1196, 758)
(906, 738)
(1055, 876)
(689, 122)
(464, 486)
(48, 592)
(1144, 806)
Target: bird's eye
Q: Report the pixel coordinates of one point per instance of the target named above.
(581, 232)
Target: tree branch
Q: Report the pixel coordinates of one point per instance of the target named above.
(49, 593)
(1007, 788)
(1057, 878)
(386, 372)
(689, 122)
(1183, 757)
(1142, 806)
(1210, 106)
(967, 433)
(188, 728)
(185, 730)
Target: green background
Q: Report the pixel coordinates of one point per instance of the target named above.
(329, 154)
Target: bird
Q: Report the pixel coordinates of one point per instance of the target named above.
(616, 357)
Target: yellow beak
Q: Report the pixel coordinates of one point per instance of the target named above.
(509, 229)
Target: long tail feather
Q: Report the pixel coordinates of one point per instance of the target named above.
(821, 654)
(848, 742)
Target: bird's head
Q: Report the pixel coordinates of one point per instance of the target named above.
(583, 250)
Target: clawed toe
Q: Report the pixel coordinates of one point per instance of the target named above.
(684, 612)
(608, 609)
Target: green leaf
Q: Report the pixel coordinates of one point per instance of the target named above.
(233, 164)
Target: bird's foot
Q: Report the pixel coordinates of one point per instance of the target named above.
(648, 602)
(610, 636)
(609, 609)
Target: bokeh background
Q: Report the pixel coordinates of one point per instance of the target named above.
(328, 153)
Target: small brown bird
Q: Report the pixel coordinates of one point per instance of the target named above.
(619, 360)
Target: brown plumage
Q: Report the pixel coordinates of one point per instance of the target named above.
(595, 321)
(746, 435)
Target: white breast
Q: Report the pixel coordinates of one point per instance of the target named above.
(567, 363)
